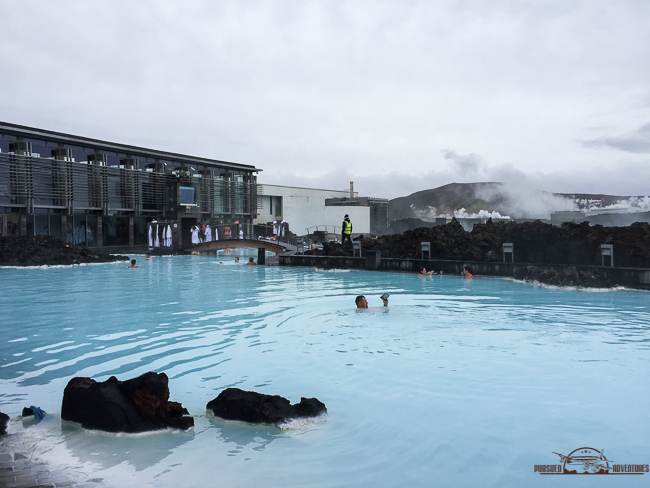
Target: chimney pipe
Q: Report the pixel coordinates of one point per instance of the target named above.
(352, 189)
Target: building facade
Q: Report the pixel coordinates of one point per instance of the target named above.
(377, 210)
(310, 210)
(115, 197)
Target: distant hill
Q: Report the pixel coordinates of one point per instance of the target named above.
(446, 199)
(494, 199)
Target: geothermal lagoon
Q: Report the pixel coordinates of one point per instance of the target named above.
(455, 383)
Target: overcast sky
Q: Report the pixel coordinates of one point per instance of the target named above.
(398, 96)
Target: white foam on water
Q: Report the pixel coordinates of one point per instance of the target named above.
(302, 423)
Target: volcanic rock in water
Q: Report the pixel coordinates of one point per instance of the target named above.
(257, 408)
(4, 421)
(47, 250)
(136, 405)
(570, 276)
(33, 411)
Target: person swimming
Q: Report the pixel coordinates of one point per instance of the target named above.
(133, 264)
(424, 272)
(361, 301)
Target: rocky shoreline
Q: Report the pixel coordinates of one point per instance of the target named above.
(544, 253)
(48, 251)
(568, 277)
(534, 242)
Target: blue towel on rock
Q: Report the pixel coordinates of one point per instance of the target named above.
(38, 413)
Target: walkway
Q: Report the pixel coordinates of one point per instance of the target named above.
(271, 246)
(18, 469)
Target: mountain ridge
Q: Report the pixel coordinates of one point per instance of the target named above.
(495, 199)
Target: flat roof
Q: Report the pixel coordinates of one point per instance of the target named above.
(304, 188)
(62, 138)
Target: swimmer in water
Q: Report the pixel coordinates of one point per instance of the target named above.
(133, 264)
(467, 272)
(361, 301)
(424, 272)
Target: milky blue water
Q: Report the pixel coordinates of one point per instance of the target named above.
(456, 383)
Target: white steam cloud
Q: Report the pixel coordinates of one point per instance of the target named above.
(523, 201)
(631, 205)
(430, 214)
(505, 202)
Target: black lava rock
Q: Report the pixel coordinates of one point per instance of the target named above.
(4, 421)
(47, 251)
(257, 408)
(534, 242)
(570, 276)
(136, 405)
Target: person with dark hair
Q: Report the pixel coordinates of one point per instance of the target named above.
(467, 272)
(133, 264)
(346, 230)
(361, 301)
(251, 262)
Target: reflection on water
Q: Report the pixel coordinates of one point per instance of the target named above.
(458, 383)
(138, 451)
(237, 436)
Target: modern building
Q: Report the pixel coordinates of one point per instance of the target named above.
(115, 197)
(377, 209)
(309, 210)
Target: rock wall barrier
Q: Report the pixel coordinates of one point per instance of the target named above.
(608, 275)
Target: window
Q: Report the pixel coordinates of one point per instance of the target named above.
(187, 197)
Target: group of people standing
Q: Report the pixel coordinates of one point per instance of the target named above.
(204, 233)
(280, 229)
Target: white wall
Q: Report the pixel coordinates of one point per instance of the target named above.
(305, 208)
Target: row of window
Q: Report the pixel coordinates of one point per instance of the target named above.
(30, 182)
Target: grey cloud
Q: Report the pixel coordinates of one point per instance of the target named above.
(637, 142)
(403, 96)
(469, 165)
(612, 179)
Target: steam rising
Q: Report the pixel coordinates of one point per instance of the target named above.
(430, 214)
(504, 202)
(631, 205)
(522, 201)
(510, 201)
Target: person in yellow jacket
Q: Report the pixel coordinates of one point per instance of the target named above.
(346, 230)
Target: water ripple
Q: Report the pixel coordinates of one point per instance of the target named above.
(446, 366)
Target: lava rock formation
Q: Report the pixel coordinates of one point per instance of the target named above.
(137, 405)
(47, 251)
(257, 408)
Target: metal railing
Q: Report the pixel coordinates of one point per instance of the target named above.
(325, 228)
(249, 231)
